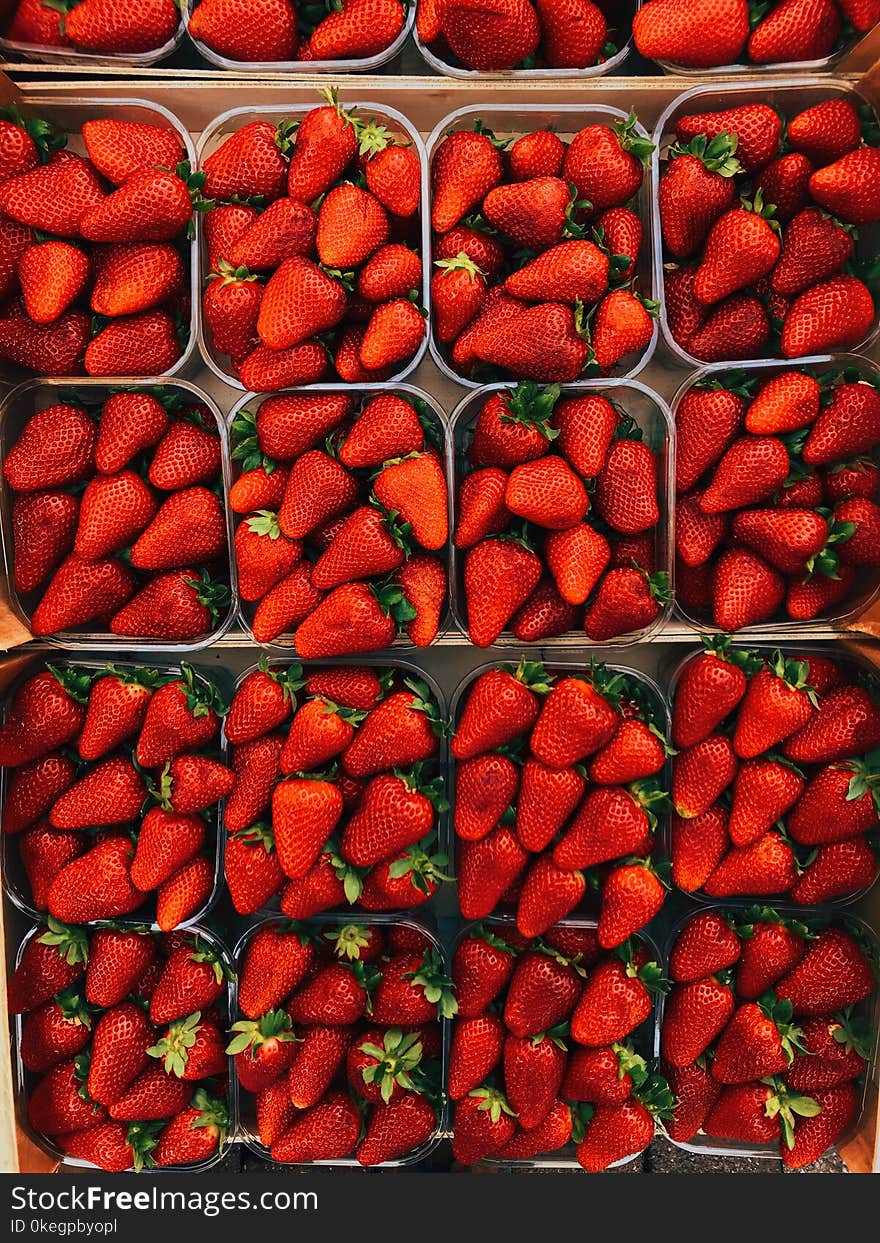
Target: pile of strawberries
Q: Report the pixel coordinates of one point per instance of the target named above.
(337, 792)
(93, 26)
(536, 246)
(340, 1046)
(760, 1042)
(324, 278)
(94, 248)
(776, 513)
(760, 216)
(122, 1041)
(544, 1052)
(559, 518)
(516, 34)
(279, 30)
(558, 782)
(709, 34)
(775, 781)
(111, 779)
(118, 518)
(345, 520)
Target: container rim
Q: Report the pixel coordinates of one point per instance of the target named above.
(95, 60)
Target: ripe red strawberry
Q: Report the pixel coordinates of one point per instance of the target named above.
(572, 34)
(695, 1014)
(628, 600)
(47, 711)
(577, 557)
(834, 1051)
(17, 238)
(543, 616)
(586, 427)
(56, 1105)
(615, 1132)
(833, 972)
(547, 798)
(394, 333)
(97, 884)
(263, 701)
(501, 705)
(397, 1128)
(795, 30)
(500, 575)
(779, 701)
(543, 991)
(104, 27)
(548, 894)
(697, 534)
(112, 792)
(747, 1112)
(706, 945)
(746, 590)
(352, 224)
(482, 964)
(114, 510)
(571, 271)
(751, 470)
(263, 1049)
(194, 1134)
(393, 813)
(415, 487)
(631, 896)
(152, 1096)
(401, 730)
(605, 164)
(299, 302)
(328, 1131)
(146, 344)
(81, 591)
(615, 1001)
(815, 246)
(33, 788)
(847, 188)
(533, 1071)
(52, 276)
(457, 292)
(698, 845)
(253, 873)
(117, 960)
(182, 715)
(756, 1042)
(766, 866)
(326, 141)
(695, 1092)
(786, 403)
(276, 961)
(576, 720)
(547, 493)
(466, 167)
(834, 314)
(484, 787)
(685, 315)
(136, 276)
(393, 171)
(486, 869)
(304, 814)
(483, 1125)
(482, 248)
(838, 870)
(192, 979)
(603, 1076)
(53, 197)
(623, 326)
(476, 1048)
(816, 1132)
(698, 38)
(272, 35)
(740, 249)
(837, 803)
(513, 427)
(50, 963)
(764, 790)
(130, 422)
(189, 525)
(119, 1051)
(757, 127)
(335, 997)
(846, 427)
(174, 607)
(56, 1031)
(494, 34)
(706, 421)
(56, 448)
(166, 842)
(784, 182)
(423, 582)
(626, 487)
(609, 823)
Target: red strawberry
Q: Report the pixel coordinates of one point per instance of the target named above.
(609, 823)
(756, 1042)
(765, 866)
(483, 1125)
(834, 1051)
(695, 1092)
(626, 487)
(118, 959)
(46, 713)
(740, 249)
(475, 1051)
(698, 845)
(548, 894)
(818, 1131)
(486, 869)
(544, 615)
(494, 34)
(192, 979)
(833, 972)
(631, 896)
(615, 1001)
(547, 798)
(481, 967)
(694, 38)
(500, 575)
(615, 1132)
(119, 1051)
(502, 704)
(49, 964)
(55, 1032)
(326, 141)
(533, 1070)
(397, 1128)
(747, 1112)
(746, 590)
(394, 333)
(33, 788)
(119, 148)
(194, 1134)
(58, 1103)
(547, 493)
(826, 131)
(815, 246)
(175, 607)
(764, 790)
(576, 720)
(695, 1014)
(834, 314)
(543, 991)
(838, 870)
(326, 1132)
(628, 600)
(605, 164)
(779, 701)
(706, 945)
(484, 787)
(795, 30)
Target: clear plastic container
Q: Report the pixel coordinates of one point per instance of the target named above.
(788, 96)
(508, 121)
(25, 1080)
(91, 61)
(622, 13)
(216, 133)
(253, 401)
(646, 1039)
(851, 660)
(70, 114)
(651, 414)
(565, 668)
(244, 1113)
(15, 410)
(363, 64)
(868, 579)
(439, 764)
(741, 68)
(15, 882)
(709, 1146)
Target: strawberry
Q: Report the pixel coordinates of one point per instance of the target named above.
(130, 422)
(784, 182)
(685, 315)
(55, 448)
(706, 945)
(573, 271)
(746, 590)
(52, 276)
(706, 421)
(33, 788)
(102, 26)
(394, 333)
(191, 1049)
(618, 1131)
(837, 803)
(547, 798)
(328, 1131)
(152, 1096)
(486, 869)
(544, 615)
(182, 715)
(284, 230)
(189, 526)
(114, 510)
(543, 991)
(756, 1042)
(847, 426)
(81, 591)
(838, 870)
(502, 704)
(277, 959)
(352, 224)
(481, 967)
(631, 896)
(97, 884)
(815, 246)
(112, 792)
(573, 34)
(626, 487)
(494, 34)
(46, 713)
(465, 168)
(59, 1104)
(120, 148)
(265, 370)
(577, 557)
(151, 206)
(609, 823)
(261, 488)
(335, 997)
(815, 1132)
(695, 189)
(833, 972)
(224, 226)
(231, 306)
(476, 1048)
(136, 276)
(498, 308)
(833, 314)
(393, 813)
(379, 1063)
(698, 845)
(764, 790)
(401, 730)
(53, 349)
(17, 238)
(765, 866)
(116, 711)
(253, 873)
(603, 1076)
(695, 1014)
(119, 1051)
(117, 960)
(49, 964)
(415, 487)
(393, 171)
(586, 427)
(175, 606)
(499, 576)
(275, 1112)
(264, 556)
(697, 535)
(423, 582)
(623, 326)
(56, 1031)
(304, 814)
(627, 600)
(750, 471)
(846, 188)
(699, 38)
(484, 1123)
(21, 142)
(166, 842)
(484, 787)
(711, 685)
(192, 979)
(326, 141)
(547, 493)
(263, 1049)
(786, 403)
(740, 249)
(146, 344)
(548, 894)
(320, 732)
(845, 724)
(194, 1134)
(605, 164)
(826, 131)
(263, 701)
(795, 30)
(577, 718)
(533, 1071)
(779, 701)
(299, 302)
(747, 1112)
(272, 35)
(387, 427)
(615, 1001)
(483, 250)
(53, 197)
(757, 127)
(696, 1092)
(513, 427)
(457, 293)
(397, 1128)
(318, 488)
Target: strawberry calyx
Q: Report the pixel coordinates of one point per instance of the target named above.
(423, 869)
(650, 974)
(794, 673)
(173, 1048)
(869, 124)
(372, 137)
(787, 1105)
(654, 1094)
(213, 596)
(734, 381)
(435, 984)
(493, 1102)
(77, 682)
(540, 946)
(853, 1032)
(251, 1033)
(500, 144)
(246, 448)
(345, 279)
(718, 154)
(201, 953)
(400, 532)
(45, 136)
(74, 1007)
(826, 560)
(393, 1063)
(349, 941)
(633, 138)
(128, 676)
(649, 795)
(532, 405)
(780, 1013)
(581, 1117)
(573, 229)
(630, 1063)
(351, 878)
(461, 262)
(433, 790)
(619, 265)
(202, 696)
(290, 678)
(228, 274)
(486, 934)
(658, 584)
(745, 925)
(393, 602)
(351, 715)
(758, 10)
(212, 1113)
(865, 778)
(721, 645)
(81, 1064)
(69, 941)
(425, 702)
(533, 675)
(142, 1138)
(264, 522)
